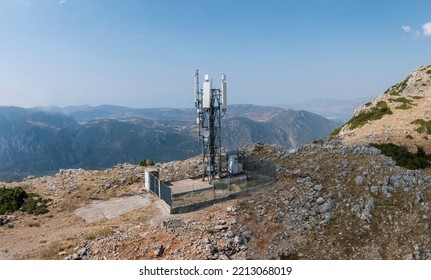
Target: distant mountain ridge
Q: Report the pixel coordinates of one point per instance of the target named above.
(86, 112)
(40, 141)
(334, 109)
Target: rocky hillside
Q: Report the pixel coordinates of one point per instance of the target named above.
(342, 202)
(401, 115)
(331, 201)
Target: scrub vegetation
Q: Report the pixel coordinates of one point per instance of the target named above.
(374, 113)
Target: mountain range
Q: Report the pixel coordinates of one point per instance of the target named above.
(334, 109)
(40, 141)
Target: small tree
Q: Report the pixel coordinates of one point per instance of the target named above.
(146, 162)
(11, 200)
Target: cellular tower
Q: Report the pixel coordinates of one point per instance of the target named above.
(211, 105)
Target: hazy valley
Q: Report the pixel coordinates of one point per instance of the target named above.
(43, 140)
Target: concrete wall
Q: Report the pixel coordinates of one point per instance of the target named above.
(149, 171)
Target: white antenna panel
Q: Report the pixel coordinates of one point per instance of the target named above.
(224, 95)
(206, 98)
(196, 86)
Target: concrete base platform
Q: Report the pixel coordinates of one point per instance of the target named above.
(188, 185)
(101, 210)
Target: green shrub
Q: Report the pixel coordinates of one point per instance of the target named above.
(417, 97)
(405, 103)
(424, 126)
(336, 131)
(402, 100)
(15, 199)
(382, 104)
(429, 72)
(394, 93)
(11, 199)
(375, 113)
(403, 157)
(146, 162)
(103, 232)
(243, 204)
(34, 204)
(403, 107)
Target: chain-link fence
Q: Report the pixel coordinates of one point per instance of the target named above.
(256, 167)
(257, 173)
(160, 189)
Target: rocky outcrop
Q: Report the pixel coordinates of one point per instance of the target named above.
(400, 115)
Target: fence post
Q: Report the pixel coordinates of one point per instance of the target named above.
(160, 189)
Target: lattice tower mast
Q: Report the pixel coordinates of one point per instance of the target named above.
(211, 105)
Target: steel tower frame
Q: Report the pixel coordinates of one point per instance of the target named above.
(211, 107)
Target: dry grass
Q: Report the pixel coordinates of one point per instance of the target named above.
(99, 233)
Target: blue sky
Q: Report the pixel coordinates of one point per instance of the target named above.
(143, 53)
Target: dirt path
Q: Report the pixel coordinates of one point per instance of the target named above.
(31, 235)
